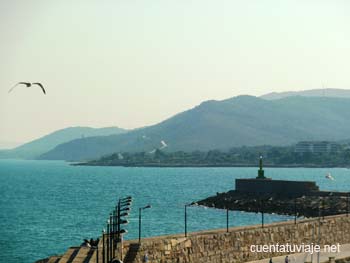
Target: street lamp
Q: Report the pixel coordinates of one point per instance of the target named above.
(319, 225)
(97, 258)
(347, 204)
(107, 242)
(103, 246)
(302, 203)
(295, 211)
(126, 198)
(323, 207)
(124, 209)
(262, 212)
(140, 210)
(227, 219)
(186, 218)
(114, 230)
(110, 236)
(125, 203)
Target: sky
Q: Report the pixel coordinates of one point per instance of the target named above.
(131, 63)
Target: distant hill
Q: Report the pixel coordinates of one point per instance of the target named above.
(239, 121)
(44, 144)
(331, 93)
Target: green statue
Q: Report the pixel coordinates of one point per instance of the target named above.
(260, 171)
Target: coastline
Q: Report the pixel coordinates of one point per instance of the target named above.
(157, 165)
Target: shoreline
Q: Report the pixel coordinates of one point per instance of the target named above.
(212, 165)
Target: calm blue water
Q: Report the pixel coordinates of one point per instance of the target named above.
(48, 206)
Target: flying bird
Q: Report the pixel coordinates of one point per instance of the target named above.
(163, 145)
(28, 84)
(329, 176)
(160, 148)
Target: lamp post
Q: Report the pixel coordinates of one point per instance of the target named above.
(140, 219)
(319, 227)
(103, 246)
(110, 236)
(186, 219)
(262, 212)
(295, 211)
(323, 207)
(114, 229)
(97, 252)
(347, 204)
(227, 220)
(107, 241)
(302, 204)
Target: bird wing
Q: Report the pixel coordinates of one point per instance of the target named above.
(25, 83)
(40, 85)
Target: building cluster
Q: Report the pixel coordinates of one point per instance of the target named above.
(317, 147)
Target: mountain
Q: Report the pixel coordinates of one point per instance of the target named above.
(44, 144)
(239, 121)
(332, 93)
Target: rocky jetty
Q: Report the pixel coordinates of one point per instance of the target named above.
(323, 203)
(262, 194)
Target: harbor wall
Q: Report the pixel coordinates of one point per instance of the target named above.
(234, 246)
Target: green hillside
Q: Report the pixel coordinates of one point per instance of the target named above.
(239, 121)
(46, 143)
(337, 93)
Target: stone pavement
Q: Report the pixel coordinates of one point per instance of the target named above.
(306, 257)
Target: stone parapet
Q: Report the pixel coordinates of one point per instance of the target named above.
(234, 246)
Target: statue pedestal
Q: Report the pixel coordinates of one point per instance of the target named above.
(281, 187)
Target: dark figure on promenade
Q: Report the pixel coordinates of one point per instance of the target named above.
(95, 242)
(92, 242)
(270, 260)
(86, 243)
(286, 260)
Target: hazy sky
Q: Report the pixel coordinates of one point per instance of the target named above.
(132, 63)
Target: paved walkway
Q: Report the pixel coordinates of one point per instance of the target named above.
(302, 257)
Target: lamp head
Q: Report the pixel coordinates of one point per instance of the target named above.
(125, 204)
(123, 231)
(124, 222)
(128, 198)
(124, 214)
(147, 206)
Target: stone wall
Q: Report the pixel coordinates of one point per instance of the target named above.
(275, 186)
(234, 246)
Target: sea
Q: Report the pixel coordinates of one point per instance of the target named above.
(48, 206)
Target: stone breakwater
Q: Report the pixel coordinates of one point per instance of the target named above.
(234, 246)
(324, 203)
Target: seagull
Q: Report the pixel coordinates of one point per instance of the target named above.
(163, 145)
(28, 84)
(329, 176)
